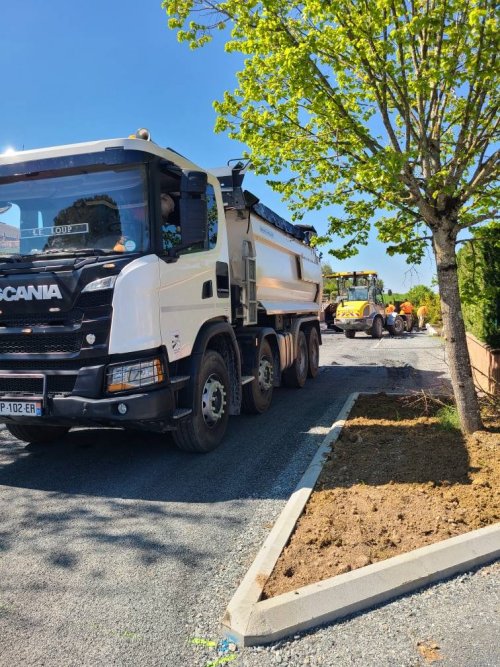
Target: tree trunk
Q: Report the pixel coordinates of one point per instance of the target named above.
(454, 331)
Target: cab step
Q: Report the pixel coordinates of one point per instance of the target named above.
(181, 413)
(179, 381)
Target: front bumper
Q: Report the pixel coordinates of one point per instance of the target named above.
(147, 406)
(151, 407)
(353, 324)
(155, 407)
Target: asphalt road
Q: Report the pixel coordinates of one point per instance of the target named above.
(116, 549)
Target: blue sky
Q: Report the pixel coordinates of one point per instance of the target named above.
(76, 72)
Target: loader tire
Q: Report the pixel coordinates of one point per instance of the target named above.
(36, 434)
(257, 395)
(204, 430)
(396, 329)
(296, 375)
(377, 328)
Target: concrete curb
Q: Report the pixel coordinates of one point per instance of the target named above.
(249, 620)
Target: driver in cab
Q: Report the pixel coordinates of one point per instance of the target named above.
(136, 222)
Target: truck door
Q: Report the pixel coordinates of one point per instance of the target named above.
(193, 289)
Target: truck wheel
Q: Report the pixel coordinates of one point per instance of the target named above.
(397, 328)
(257, 395)
(296, 375)
(313, 352)
(36, 434)
(349, 333)
(204, 430)
(377, 328)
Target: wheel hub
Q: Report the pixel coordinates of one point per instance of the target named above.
(213, 400)
(265, 374)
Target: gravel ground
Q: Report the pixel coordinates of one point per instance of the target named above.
(459, 616)
(119, 551)
(457, 619)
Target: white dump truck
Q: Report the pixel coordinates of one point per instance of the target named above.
(138, 290)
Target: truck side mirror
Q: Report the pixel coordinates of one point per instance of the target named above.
(193, 207)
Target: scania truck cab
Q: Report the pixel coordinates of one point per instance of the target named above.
(113, 314)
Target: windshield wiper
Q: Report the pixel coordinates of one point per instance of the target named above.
(78, 251)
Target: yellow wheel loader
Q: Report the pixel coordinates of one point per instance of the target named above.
(361, 306)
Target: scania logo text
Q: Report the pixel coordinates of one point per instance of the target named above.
(30, 292)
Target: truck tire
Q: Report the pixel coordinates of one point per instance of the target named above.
(377, 328)
(204, 430)
(397, 328)
(36, 434)
(349, 333)
(257, 395)
(296, 375)
(313, 352)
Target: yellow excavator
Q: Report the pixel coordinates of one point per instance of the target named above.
(360, 306)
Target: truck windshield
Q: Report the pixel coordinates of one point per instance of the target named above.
(94, 211)
(357, 294)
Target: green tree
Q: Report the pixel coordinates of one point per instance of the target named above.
(326, 268)
(375, 106)
(421, 295)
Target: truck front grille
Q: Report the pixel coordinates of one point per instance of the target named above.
(40, 343)
(49, 364)
(71, 318)
(56, 384)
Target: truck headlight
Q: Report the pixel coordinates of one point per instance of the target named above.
(100, 283)
(136, 375)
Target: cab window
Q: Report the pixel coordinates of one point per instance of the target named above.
(213, 217)
(171, 224)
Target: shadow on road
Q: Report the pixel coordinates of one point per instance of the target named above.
(113, 488)
(135, 465)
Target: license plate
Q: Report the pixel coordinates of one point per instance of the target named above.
(21, 408)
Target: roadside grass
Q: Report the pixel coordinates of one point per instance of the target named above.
(448, 418)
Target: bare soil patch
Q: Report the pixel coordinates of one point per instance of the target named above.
(396, 480)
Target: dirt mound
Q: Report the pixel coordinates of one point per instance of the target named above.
(396, 480)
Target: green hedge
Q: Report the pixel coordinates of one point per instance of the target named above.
(479, 280)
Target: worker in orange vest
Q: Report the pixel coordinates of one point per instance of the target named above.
(422, 313)
(390, 308)
(406, 310)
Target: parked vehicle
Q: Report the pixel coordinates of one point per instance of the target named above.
(112, 314)
(362, 307)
